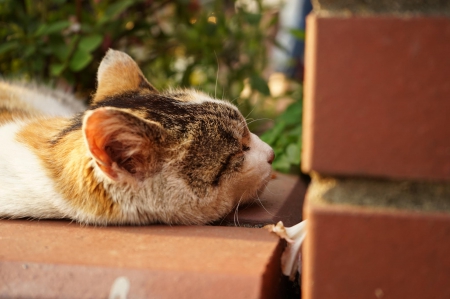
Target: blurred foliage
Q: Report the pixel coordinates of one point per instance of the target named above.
(176, 43)
(217, 46)
(285, 136)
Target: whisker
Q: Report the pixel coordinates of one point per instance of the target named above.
(217, 75)
(264, 206)
(238, 104)
(250, 112)
(242, 123)
(223, 218)
(271, 192)
(236, 215)
(236, 211)
(266, 181)
(258, 120)
(252, 120)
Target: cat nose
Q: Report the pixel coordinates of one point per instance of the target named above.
(271, 157)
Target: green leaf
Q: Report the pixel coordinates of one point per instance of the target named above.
(281, 163)
(293, 153)
(37, 64)
(296, 131)
(80, 60)
(115, 9)
(55, 27)
(280, 46)
(57, 68)
(30, 50)
(8, 46)
(298, 33)
(41, 30)
(273, 21)
(61, 51)
(273, 134)
(293, 114)
(259, 84)
(252, 18)
(210, 29)
(186, 75)
(90, 43)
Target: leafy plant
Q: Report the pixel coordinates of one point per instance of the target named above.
(285, 136)
(177, 43)
(219, 47)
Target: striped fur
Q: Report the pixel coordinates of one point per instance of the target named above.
(134, 156)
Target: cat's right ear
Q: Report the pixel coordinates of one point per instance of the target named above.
(123, 145)
(118, 73)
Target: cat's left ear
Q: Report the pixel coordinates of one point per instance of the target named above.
(118, 73)
(123, 145)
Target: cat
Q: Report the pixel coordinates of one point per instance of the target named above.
(134, 156)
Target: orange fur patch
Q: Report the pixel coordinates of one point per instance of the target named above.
(118, 73)
(69, 166)
(7, 115)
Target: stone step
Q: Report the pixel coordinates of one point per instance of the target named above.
(60, 259)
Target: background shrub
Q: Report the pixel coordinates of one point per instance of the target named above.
(218, 47)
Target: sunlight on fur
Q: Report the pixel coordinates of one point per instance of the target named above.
(134, 156)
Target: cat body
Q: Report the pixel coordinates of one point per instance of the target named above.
(134, 156)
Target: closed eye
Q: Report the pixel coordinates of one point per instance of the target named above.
(245, 148)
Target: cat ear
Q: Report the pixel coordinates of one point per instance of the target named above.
(119, 73)
(122, 144)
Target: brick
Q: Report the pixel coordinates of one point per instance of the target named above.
(364, 7)
(377, 97)
(282, 200)
(58, 259)
(364, 252)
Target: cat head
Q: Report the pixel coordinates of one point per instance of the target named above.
(177, 156)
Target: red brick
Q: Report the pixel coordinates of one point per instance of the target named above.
(58, 259)
(282, 200)
(377, 93)
(355, 252)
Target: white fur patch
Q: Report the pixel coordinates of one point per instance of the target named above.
(197, 98)
(47, 101)
(25, 188)
(256, 172)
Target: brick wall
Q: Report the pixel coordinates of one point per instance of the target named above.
(377, 141)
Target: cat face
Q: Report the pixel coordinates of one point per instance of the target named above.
(176, 157)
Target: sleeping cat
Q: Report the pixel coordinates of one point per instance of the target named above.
(135, 156)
